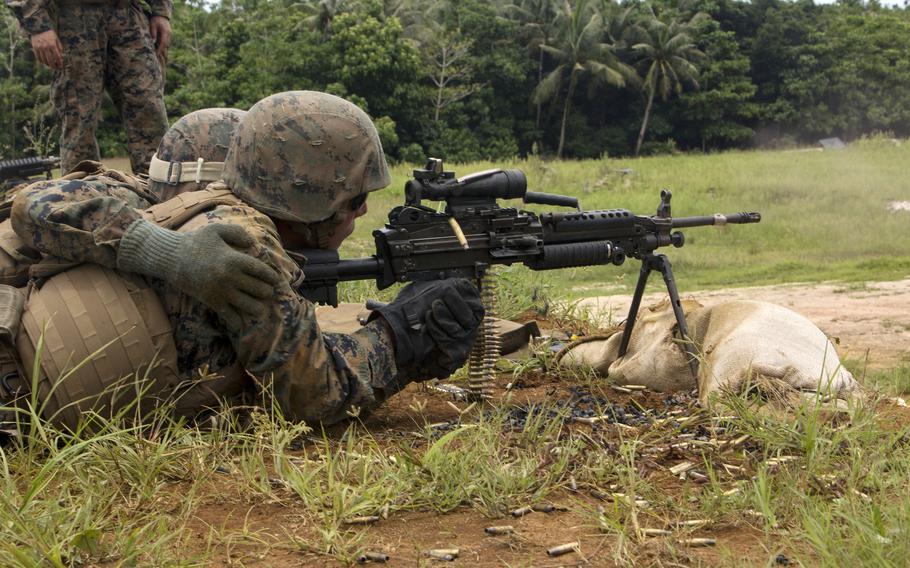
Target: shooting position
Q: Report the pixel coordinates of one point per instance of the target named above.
(474, 233)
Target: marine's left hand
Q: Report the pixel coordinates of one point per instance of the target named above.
(160, 28)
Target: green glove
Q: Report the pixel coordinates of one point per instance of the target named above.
(204, 264)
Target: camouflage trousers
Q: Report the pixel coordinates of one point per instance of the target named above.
(107, 46)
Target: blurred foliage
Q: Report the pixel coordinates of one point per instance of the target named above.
(482, 80)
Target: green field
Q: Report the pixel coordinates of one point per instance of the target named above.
(804, 487)
(825, 215)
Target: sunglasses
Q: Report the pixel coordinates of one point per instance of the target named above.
(357, 202)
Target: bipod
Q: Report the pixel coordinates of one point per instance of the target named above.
(661, 264)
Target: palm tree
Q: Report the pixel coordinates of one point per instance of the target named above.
(322, 12)
(669, 54)
(535, 18)
(619, 22)
(577, 48)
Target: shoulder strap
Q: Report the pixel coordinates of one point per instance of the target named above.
(176, 211)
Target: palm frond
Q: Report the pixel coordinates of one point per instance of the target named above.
(550, 86)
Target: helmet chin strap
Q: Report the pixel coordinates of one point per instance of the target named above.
(319, 232)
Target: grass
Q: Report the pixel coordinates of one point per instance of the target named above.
(811, 486)
(128, 497)
(824, 214)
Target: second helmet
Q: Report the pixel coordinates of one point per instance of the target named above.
(191, 153)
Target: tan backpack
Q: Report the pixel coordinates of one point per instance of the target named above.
(104, 337)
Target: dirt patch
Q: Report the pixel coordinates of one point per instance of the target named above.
(869, 320)
(253, 531)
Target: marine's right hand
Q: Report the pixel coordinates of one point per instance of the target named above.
(208, 264)
(48, 49)
(434, 325)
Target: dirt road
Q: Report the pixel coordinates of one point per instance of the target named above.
(871, 317)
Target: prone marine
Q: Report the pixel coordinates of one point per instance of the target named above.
(296, 175)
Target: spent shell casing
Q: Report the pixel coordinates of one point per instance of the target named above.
(682, 467)
(362, 520)
(691, 523)
(499, 530)
(447, 554)
(697, 541)
(587, 419)
(522, 511)
(373, 557)
(563, 549)
(543, 507)
(739, 441)
(656, 532)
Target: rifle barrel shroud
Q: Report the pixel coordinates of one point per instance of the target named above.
(22, 170)
(418, 242)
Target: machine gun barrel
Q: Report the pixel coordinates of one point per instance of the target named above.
(717, 219)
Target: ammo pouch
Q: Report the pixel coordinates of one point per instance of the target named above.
(13, 389)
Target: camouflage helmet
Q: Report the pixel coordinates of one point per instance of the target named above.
(302, 156)
(200, 135)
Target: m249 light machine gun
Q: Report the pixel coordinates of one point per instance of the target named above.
(473, 233)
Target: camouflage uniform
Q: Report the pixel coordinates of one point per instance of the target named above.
(316, 376)
(106, 44)
(302, 158)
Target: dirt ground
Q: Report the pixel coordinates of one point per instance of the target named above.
(867, 320)
(264, 531)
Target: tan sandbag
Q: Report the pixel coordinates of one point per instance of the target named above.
(654, 358)
(736, 341)
(101, 332)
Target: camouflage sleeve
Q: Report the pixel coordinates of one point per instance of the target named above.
(78, 220)
(32, 15)
(315, 376)
(162, 8)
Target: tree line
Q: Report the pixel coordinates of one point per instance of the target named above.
(480, 79)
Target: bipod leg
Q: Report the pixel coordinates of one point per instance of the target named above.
(636, 303)
(662, 263)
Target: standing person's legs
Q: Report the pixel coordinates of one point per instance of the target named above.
(79, 86)
(135, 83)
